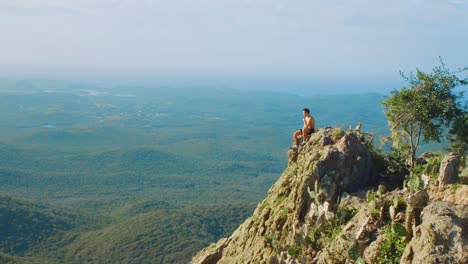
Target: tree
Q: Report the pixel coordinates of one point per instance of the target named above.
(458, 134)
(426, 110)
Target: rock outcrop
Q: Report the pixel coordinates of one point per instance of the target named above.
(331, 163)
(325, 209)
(449, 170)
(441, 237)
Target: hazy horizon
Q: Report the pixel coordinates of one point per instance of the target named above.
(297, 46)
(302, 88)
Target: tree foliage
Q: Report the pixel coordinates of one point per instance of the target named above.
(426, 110)
(458, 135)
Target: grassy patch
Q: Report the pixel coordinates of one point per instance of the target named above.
(337, 133)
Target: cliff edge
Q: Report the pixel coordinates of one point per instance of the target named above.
(323, 209)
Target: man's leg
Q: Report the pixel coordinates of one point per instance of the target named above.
(296, 136)
(305, 134)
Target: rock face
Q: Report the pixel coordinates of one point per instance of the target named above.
(331, 163)
(449, 170)
(323, 210)
(442, 236)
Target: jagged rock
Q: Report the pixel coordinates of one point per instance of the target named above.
(442, 236)
(355, 200)
(338, 162)
(415, 204)
(426, 155)
(362, 228)
(352, 238)
(456, 194)
(292, 156)
(424, 158)
(391, 211)
(418, 199)
(372, 251)
(449, 170)
(399, 217)
(425, 180)
(297, 221)
(358, 127)
(212, 256)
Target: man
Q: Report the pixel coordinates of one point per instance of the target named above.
(305, 131)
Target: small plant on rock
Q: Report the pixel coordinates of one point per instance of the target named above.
(312, 238)
(414, 182)
(337, 133)
(295, 251)
(317, 194)
(399, 203)
(429, 167)
(370, 196)
(270, 239)
(348, 212)
(392, 248)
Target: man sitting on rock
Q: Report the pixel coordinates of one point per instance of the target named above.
(305, 131)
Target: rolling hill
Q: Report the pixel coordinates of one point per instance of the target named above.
(89, 174)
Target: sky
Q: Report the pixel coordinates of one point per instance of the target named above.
(303, 45)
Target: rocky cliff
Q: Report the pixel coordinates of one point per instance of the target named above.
(325, 208)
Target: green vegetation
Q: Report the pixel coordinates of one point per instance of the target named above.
(458, 134)
(375, 213)
(337, 133)
(354, 251)
(169, 236)
(295, 251)
(143, 173)
(161, 234)
(391, 249)
(429, 167)
(24, 224)
(270, 239)
(425, 109)
(414, 182)
(399, 203)
(320, 237)
(7, 259)
(370, 196)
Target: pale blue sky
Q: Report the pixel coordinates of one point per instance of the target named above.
(231, 42)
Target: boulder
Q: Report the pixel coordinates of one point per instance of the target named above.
(442, 236)
(449, 170)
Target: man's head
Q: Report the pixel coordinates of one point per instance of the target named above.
(306, 111)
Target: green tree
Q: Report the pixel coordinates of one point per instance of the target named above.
(426, 109)
(458, 134)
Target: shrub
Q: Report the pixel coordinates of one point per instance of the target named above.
(392, 248)
(295, 251)
(414, 182)
(370, 196)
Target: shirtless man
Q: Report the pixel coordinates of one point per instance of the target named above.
(306, 130)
